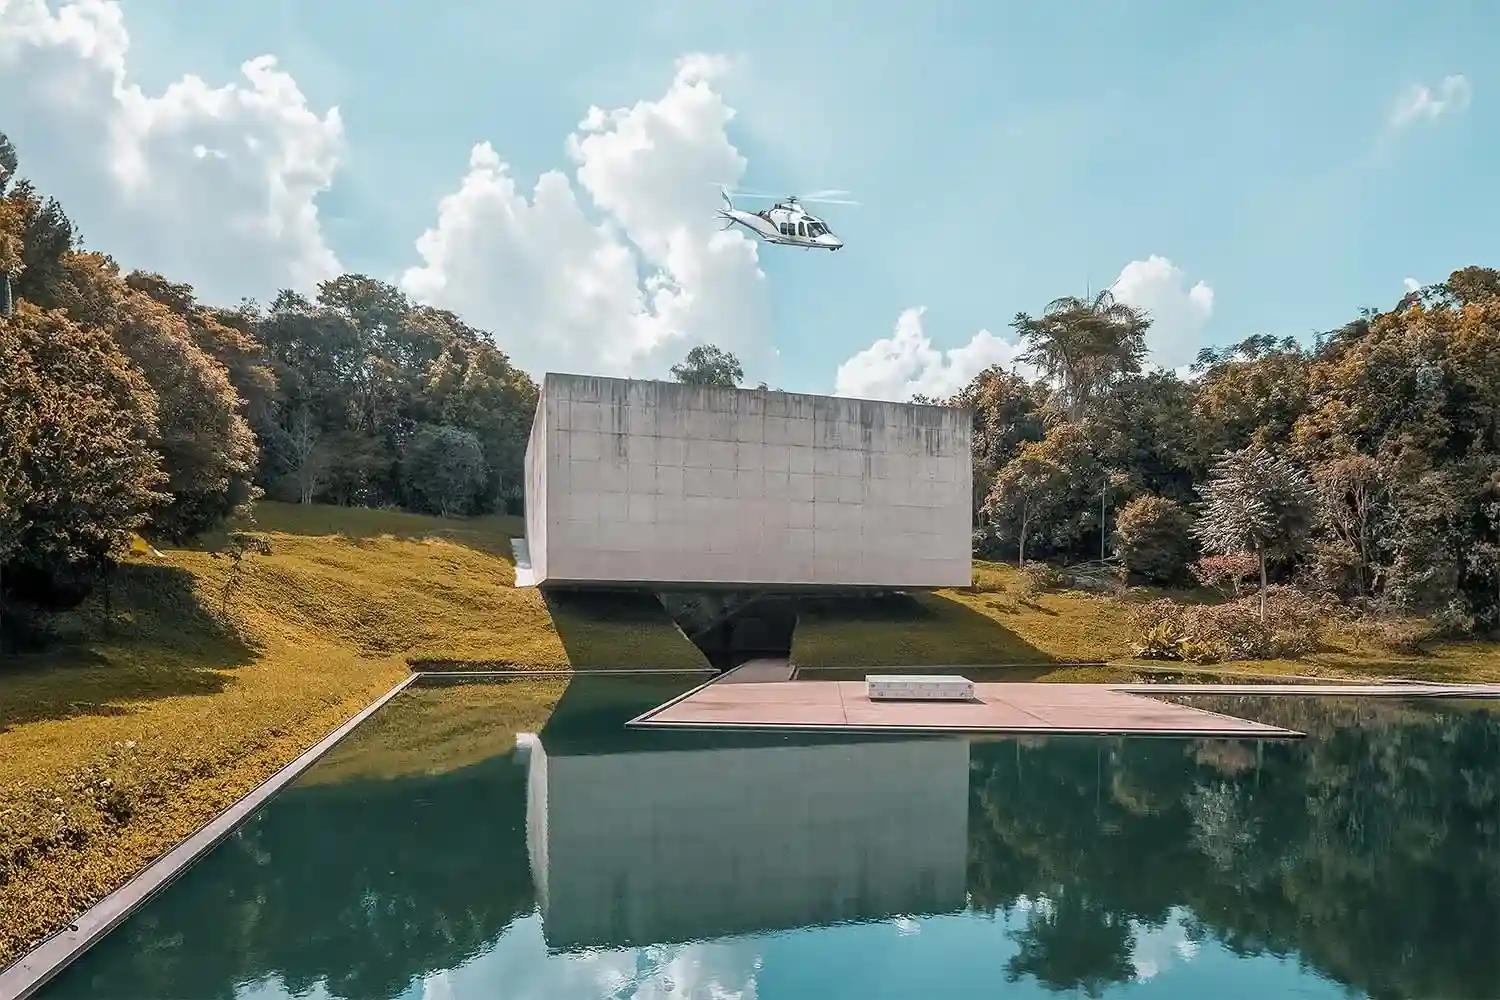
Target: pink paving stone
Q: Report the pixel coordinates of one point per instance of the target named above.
(834, 705)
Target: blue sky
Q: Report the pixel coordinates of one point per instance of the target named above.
(1299, 161)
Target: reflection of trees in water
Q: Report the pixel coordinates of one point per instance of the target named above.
(1372, 849)
(362, 886)
(1222, 823)
(1071, 942)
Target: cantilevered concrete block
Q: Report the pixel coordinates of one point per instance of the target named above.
(749, 488)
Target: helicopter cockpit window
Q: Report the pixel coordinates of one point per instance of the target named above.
(816, 229)
(801, 229)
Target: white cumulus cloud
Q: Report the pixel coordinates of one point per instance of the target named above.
(213, 185)
(620, 268)
(1420, 101)
(1179, 311)
(906, 363)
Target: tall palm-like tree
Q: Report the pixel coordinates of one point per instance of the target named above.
(1082, 345)
(10, 244)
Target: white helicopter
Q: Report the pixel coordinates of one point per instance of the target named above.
(786, 222)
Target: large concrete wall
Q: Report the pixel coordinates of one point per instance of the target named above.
(640, 848)
(655, 482)
(536, 492)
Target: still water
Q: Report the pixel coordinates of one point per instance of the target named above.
(512, 840)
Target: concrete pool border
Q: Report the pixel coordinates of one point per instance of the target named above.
(999, 708)
(36, 968)
(25, 976)
(774, 705)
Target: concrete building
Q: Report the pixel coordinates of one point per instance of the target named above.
(652, 846)
(634, 482)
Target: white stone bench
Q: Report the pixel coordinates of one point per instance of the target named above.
(918, 687)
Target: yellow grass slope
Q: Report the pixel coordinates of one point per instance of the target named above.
(1000, 621)
(994, 622)
(120, 743)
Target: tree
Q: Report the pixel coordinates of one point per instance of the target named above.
(10, 226)
(1025, 489)
(1354, 501)
(709, 365)
(1083, 345)
(1251, 393)
(473, 385)
(1049, 492)
(226, 335)
(359, 370)
(8, 161)
(1255, 502)
(1007, 413)
(1412, 393)
(305, 457)
(443, 469)
(1144, 428)
(47, 237)
(11, 250)
(77, 474)
(207, 449)
(1484, 555)
(1153, 536)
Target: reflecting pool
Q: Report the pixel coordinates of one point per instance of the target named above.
(513, 840)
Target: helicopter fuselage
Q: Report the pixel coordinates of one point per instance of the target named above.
(787, 224)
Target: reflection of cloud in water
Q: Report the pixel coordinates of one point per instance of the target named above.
(519, 967)
(1158, 949)
(1041, 904)
(274, 988)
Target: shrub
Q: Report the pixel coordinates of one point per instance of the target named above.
(1039, 577)
(444, 469)
(1209, 633)
(1153, 536)
(1394, 635)
(1225, 573)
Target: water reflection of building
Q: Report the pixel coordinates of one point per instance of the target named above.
(656, 846)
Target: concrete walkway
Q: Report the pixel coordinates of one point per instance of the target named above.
(1388, 690)
(761, 671)
(834, 706)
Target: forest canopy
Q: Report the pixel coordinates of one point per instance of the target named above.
(129, 407)
(1366, 466)
(1382, 437)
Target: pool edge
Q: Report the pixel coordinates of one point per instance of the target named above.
(35, 969)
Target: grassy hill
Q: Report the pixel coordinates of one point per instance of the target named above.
(988, 624)
(147, 721)
(999, 621)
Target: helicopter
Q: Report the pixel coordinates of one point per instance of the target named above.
(786, 222)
